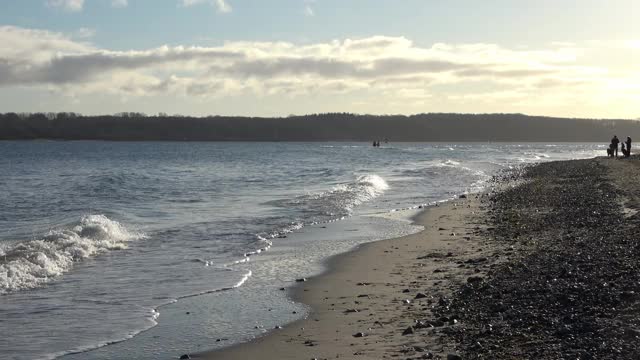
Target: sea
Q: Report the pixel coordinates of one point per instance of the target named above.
(151, 250)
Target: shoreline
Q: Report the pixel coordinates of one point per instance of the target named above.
(545, 267)
(357, 293)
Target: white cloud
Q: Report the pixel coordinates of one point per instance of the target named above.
(191, 2)
(388, 69)
(221, 5)
(78, 5)
(308, 7)
(31, 46)
(69, 5)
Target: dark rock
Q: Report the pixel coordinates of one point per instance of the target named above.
(419, 324)
(437, 323)
(359, 335)
(474, 279)
(453, 357)
(301, 280)
(408, 331)
(185, 357)
(420, 296)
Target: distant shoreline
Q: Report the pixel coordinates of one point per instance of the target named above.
(303, 141)
(338, 127)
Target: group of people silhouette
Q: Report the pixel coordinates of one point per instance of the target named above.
(613, 147)
(376, 143)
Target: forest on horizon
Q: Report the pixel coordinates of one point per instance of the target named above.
(315, 127)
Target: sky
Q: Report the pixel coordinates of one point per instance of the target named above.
(569, 58)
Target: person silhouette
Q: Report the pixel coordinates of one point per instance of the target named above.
(614, 144)
(628, 142)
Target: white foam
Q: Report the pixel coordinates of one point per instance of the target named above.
(243, 280)
(451, 163)
(345, 197)
(29, 264)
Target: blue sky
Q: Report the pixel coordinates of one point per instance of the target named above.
(563, 57)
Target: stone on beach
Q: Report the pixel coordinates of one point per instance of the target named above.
(408, 331)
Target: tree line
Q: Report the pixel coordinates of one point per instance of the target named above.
(314, 127)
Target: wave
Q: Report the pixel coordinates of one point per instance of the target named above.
(536, 156)
(30, 264)
(337, 202)
(432, 168)
(343, 198)
(321, 207)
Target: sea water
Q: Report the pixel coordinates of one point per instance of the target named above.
(149, 250)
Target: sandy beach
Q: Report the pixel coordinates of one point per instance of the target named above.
(545, 268)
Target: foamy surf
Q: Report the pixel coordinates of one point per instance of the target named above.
(343, 198)
(328, 206)
(30, 264)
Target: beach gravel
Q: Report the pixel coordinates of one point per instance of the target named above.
(569, 285)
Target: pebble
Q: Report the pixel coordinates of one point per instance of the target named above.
(408, 331)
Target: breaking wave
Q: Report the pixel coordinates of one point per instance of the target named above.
(343, 198)
(321, 207)
(30, 264)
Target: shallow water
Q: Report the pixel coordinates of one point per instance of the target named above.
(107, 239)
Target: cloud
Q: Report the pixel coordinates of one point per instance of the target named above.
(191, 2)
(78, 5)
(32, 46)
(222, 5)
(388, 69)
(308, 7)
(69, 5)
